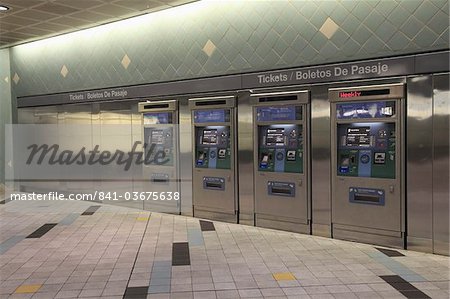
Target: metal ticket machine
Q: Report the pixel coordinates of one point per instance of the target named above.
(368, 202)
(161, 153)
(214, 158)
(281, 143)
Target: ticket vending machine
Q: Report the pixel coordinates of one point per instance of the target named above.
(161, 154)
(214, 158)
(281, 143)
(368, 202)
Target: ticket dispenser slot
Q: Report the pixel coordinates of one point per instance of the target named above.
(161, 154)
(281, 168)
(367, 178)
(214, 169)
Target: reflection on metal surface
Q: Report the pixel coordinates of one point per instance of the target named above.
(245, 162)
(320, 161)
(419, 143)
(441, 196)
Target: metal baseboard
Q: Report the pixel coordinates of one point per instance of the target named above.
(419, 244)
(442, 248)
(321, 230)
(283, 225)
(218, 216)
(247, 219)
(369, 238)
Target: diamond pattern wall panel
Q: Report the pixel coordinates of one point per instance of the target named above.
(245, 35)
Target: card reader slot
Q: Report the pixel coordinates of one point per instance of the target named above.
(278, 98)
(213, 185)
(156, 106)
(160, 180)
(210, 103)
(367, 198)
(283, 191)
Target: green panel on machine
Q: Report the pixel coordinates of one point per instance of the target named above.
(281, 148)
(366, 150)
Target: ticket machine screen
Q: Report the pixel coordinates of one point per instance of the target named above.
(366, 150)
(209, 137)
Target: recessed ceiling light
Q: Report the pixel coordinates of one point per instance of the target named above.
(3, 8)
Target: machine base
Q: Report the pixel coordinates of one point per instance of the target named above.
(375, 237)
(321, 230)
(419, 244)
(295, 227)
(246, 219)
(213, 215)
(441, 248)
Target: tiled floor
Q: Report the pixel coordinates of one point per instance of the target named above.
(116, 252)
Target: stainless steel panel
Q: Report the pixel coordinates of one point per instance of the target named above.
(25, 115)
(441, 170)
(245, 159)
(75, 132)
(43, 116)
(419, 143)
(320, 161)
(114, 133)
(185, 157)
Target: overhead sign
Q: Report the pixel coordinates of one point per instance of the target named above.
(109, 94)
(337, 72)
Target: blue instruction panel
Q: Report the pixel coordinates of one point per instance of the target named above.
(153, 118)
(212, 116)
(278, 113)
(355, 110)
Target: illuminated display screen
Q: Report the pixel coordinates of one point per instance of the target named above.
(359, 136)
(275, 137)
(157, 137)
(277, 113)
(363, 93)
(157, 118)
(380, 109)
(209, 137)
(212, 116)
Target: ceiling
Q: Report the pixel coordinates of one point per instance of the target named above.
(30, 20)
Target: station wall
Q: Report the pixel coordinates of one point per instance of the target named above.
(211, 38)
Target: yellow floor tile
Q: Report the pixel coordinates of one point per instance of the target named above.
(283, 276)
(30, 288)
(142, 218)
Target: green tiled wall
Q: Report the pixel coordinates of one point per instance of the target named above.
(248, 35)
(5, 106)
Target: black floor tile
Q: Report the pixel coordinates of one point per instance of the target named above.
(389, 252)
(42, 230)
(392, 278)
(136, 293)
(207, 226)
(91, 210)
(180, 254)
(416, 294)
(404, 287)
